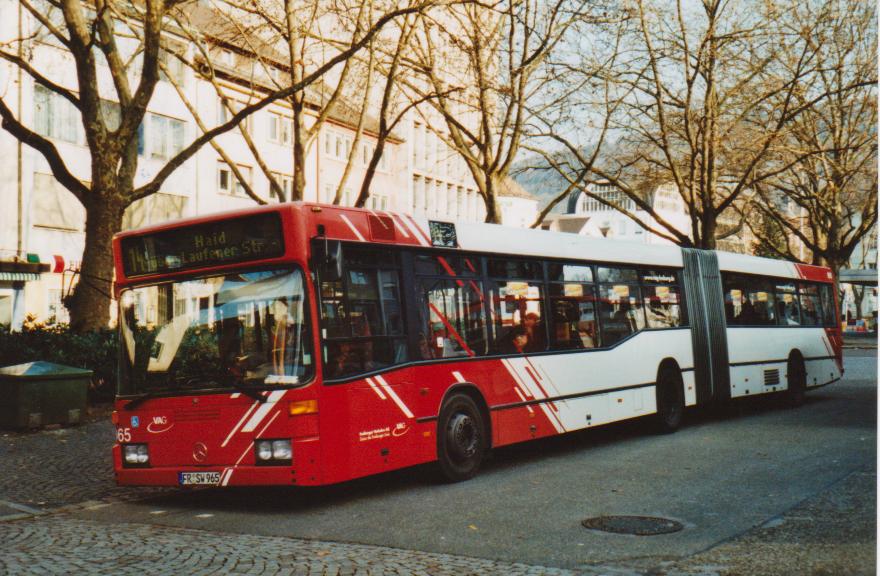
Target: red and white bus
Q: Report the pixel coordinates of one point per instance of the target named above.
(306, 344)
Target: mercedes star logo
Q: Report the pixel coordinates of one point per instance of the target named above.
(200, 452)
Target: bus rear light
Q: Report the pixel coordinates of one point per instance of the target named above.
(303, 407)
(273, 452)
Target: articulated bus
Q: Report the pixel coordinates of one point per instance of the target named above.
(306, 344)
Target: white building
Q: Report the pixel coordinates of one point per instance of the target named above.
(595, 218)
(44, 222)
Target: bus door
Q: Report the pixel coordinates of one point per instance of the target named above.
(705, 306)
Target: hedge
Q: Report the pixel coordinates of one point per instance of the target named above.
(95, 351)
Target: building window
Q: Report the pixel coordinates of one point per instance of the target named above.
(228, 184)
(56, 117)
(418, 144)
(58, 314)
(222, 112)
(224, 178)
(418, 195)
(286, 184)
(279, 129)
(337, 145)
(165, 137)
(174, 68)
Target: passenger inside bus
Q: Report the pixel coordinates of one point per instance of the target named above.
(534, 328)
(515, 341)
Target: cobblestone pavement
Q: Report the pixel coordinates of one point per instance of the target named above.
(833, 533)
(54, 468)
(61, 545)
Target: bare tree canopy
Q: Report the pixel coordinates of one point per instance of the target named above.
(827, 199)
(706, 91)
(486, 66)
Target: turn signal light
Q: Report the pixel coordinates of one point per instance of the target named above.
(303, 407)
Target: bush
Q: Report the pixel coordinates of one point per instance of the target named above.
(95, 351)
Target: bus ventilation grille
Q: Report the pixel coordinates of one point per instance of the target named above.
(771, 377)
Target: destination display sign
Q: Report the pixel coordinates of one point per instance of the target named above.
(223, 242)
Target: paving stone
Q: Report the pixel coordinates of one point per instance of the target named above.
(60, 544)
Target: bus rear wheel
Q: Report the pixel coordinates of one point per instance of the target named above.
(670, 400)
(461, 438)
(797, 381)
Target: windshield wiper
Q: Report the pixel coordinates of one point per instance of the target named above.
(249, 391)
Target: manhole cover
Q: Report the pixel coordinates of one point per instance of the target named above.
(638, 525)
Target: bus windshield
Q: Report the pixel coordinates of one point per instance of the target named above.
(239, 330)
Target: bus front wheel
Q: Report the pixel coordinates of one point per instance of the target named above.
(670, 400)
(461, 438)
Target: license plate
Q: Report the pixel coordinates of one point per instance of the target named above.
(199, 478)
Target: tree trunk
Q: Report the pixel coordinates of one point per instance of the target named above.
(89, 304)
(299, 150)
(493, 215)
(708, 226)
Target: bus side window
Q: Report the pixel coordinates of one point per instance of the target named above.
(574, 323)
(829, 312)
(362, 315)
(788, 308)
(734, 299)
(759, 306)
(620, 311)
(811, 310)
(517, 300)
(452, 319)
(663, 302)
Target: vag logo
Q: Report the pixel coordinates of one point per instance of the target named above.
(159, 424)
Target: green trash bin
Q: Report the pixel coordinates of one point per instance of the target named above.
(36, 394)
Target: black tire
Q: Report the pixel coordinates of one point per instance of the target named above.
(670, 400)
(797, 381)
(462, 438)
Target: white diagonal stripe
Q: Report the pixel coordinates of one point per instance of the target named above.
(353, 229)
(263, 411)
(375, 388)
(458, 376)
(234, 430)
(272, 419)
(523, 398)
(418, 236)
(397, 225)
(388, 390)
(534, 394)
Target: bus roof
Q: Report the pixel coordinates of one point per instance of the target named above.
(365, 225)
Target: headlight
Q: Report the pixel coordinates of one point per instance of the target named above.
(135, 455)
(273, 452)
(264, 450)
(281, 449)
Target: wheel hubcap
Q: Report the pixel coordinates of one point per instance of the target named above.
(462, 436)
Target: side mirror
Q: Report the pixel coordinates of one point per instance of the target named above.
(329, 257)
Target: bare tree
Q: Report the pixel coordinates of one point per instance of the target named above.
(88, 34)
(827, 200)
(706, 94)
(485, 64)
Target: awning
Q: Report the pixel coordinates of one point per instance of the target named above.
(858, 276)
(20, 271)
(18, 277)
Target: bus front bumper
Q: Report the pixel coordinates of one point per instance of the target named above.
(218, 476)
